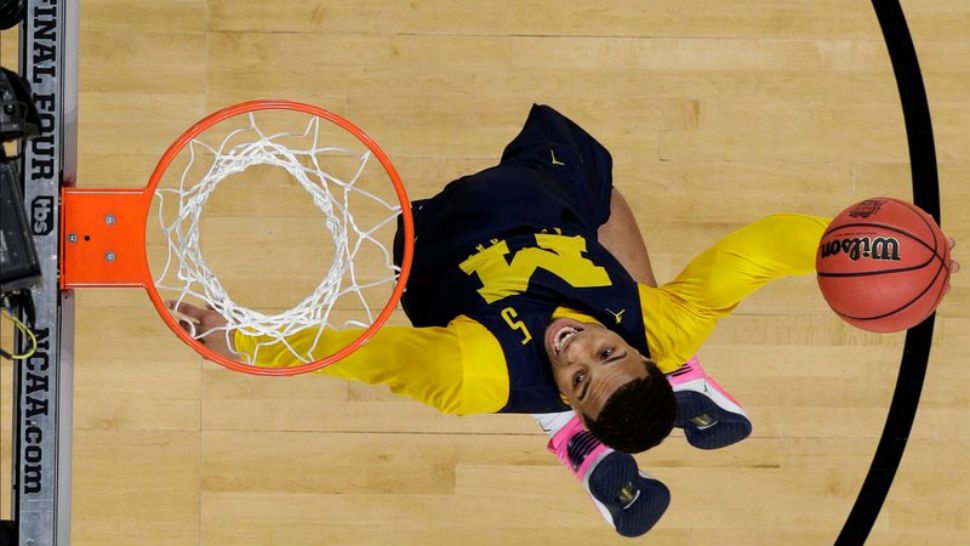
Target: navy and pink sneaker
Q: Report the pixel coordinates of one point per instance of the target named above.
(630, 500)
(711, 418)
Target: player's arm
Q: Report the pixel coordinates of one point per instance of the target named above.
(455, 369)
(681, 314)
(421, 363)
(621, 236)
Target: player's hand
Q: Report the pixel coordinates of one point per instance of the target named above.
(206, 325)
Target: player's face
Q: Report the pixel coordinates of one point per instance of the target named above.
(590, 362)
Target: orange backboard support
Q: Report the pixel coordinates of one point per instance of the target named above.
(103, 237)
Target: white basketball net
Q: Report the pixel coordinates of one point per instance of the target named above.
(186, 274)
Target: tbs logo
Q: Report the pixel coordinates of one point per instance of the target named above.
(41, 215)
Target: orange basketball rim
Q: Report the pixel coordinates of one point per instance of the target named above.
(103, 235)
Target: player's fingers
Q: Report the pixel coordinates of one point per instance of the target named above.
(954, 266)
(188, 326)
(186, 309)
(951, 242)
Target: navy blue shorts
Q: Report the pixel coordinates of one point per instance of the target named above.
(551, 170)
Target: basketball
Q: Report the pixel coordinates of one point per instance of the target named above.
(883, 265)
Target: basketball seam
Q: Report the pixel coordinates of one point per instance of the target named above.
(911, 302)
(920, 213)
(867, 273)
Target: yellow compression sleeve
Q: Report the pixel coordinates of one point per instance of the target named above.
(456, 369)
(681, 314)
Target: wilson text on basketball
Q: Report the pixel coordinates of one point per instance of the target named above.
(874, 248)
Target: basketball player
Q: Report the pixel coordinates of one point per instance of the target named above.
(531, 292)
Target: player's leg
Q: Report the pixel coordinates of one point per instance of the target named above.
(629, 499)
(621, 236)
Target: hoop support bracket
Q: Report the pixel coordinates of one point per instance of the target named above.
(103, 237)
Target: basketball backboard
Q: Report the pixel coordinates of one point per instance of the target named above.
(43, 396)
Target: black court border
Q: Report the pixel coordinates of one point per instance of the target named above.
(916, 351)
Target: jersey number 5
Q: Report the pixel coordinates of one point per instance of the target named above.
(510, 315)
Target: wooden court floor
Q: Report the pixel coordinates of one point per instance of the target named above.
(716, 113)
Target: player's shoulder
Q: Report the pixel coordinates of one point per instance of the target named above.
(475, 338)
(485, 383)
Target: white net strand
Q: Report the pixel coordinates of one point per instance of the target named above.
(186, 276)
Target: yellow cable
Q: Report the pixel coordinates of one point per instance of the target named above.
(23, 328)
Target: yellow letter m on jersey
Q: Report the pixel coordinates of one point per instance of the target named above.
(557, 254)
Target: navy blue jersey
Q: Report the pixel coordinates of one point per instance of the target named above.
(510, 244)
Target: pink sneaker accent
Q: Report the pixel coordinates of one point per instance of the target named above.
(692, 370)
(629, 499)
(710, 416)
(577, 448)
